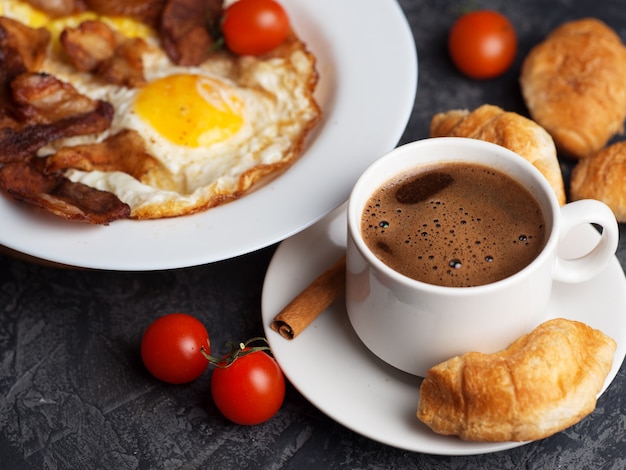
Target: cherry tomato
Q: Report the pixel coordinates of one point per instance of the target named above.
(249, 391)
(254, 27)
(482, 44)
(171, 348)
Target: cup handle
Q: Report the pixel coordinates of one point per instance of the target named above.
(589, 265)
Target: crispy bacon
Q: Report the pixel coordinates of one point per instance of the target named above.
(43, 98)
(184, 29)
(94, 47)
(16, 144)
(22, 48)
(37, 109)
(49, 109)
(58, 8)
(124, 151)
(91, 43)
(125, 66)
(25, 181)
(146, 11)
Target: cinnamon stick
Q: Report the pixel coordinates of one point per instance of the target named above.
(313, 300)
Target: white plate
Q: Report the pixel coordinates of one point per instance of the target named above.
(329, 365)
(366, 91)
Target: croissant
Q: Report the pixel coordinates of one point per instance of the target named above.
(602, 176)
(508, 129)
(574, 85)
(541, 384)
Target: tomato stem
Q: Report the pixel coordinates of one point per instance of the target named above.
(215, 31)
(237, 351)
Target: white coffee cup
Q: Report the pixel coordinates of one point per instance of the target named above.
(413, 325)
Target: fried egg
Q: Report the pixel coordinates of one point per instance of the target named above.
(216, 129)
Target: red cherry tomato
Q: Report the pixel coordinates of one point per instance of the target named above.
(249, 391)
(171, 348)
(254, 27)
(482, 44)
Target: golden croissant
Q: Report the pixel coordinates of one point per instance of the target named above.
(602, 176)
(542, 383)
(574, 85)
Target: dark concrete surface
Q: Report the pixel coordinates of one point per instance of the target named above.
(74, 393)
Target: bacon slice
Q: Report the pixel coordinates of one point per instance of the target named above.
(58, 8)
(94, 47)
(146, 11)
(37, 109)
(52, 110)
(124, 151)
(125, 66)
(43, 98)
(22, 48)
(16, 144)
(25, 181)
(91, 43)
(184, 29)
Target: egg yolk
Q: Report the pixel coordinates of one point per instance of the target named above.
(190, 110)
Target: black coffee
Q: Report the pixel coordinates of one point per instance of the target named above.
(454, 224)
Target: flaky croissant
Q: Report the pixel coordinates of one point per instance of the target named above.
(508, 129)
(574, 85)
(602, 176)
(541, 384)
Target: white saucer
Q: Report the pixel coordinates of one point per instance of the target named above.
(329, 365)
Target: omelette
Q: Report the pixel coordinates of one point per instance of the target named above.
(208, 132)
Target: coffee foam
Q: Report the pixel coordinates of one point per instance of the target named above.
(456, 224)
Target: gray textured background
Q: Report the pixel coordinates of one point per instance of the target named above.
(73, 391)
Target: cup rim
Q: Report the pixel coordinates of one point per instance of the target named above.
(547, 200)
